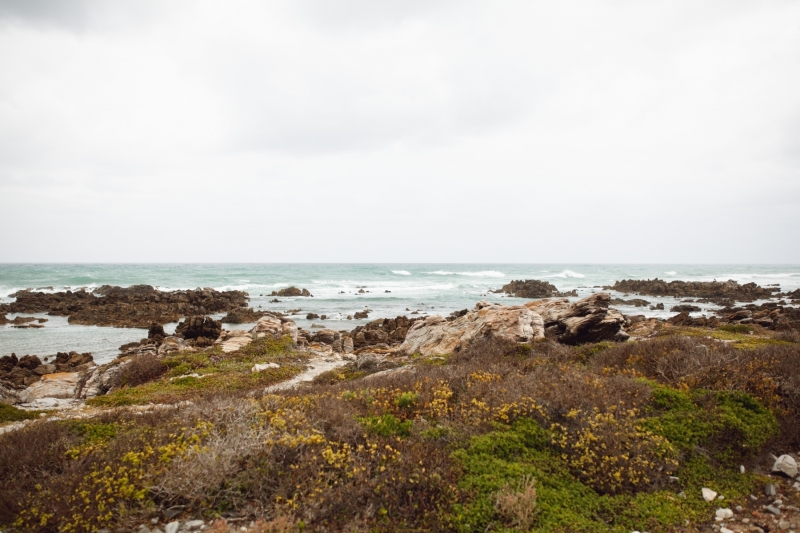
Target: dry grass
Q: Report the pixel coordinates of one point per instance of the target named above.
(516, 503)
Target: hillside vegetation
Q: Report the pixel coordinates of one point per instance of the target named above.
(497, 437)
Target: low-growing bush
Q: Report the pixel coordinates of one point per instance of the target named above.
(141, 369)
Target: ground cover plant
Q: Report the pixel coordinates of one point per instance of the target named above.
(497, 437)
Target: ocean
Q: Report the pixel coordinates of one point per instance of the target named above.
(390, 290)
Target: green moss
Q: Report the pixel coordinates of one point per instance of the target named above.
(504, 456)
(736, 328)
(406, 400)
(339, 375)
(730, 424)
(9, 413)
(386, 425)
(94, 432)
(738, 339)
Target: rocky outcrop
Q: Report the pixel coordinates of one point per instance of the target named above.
(360, 315)
(203, 330)
(29, 369)
(698, 289)
(636, 302)
(231, 341)
(243, 315)
(136, 306)
(587, 320)
(770, 315)
(533, 288)
(684, 319)
(291, 291)
(382, 331)
(685, 308)
(57, 385)
(173, 345)
(99, 380)
(437, 335)
(275, 327)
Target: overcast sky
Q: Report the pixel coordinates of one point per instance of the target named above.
(400, 131)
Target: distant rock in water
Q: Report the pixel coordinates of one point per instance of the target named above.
(291, 291)
(698, 289)
(685, 308)
(243, 315)
(533, 288)
(136, 306)
(636, 302)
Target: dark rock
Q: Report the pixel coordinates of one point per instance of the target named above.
(636, 302)
(291, 291)
(156, 331)
(135, 306)
(311, 316)
(658, 307)
(360, 314)
(23, 320)
(684, 319)
(199, 326)
(242, 315)
(684, 308)
(697, 289)
(29, 361)
(533, 288)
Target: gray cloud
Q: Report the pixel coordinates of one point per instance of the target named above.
(399, 131)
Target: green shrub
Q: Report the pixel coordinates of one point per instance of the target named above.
(9, 413)
(386, 425)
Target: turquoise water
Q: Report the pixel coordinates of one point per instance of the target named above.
(424, 288)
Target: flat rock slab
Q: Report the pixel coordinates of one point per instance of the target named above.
(58, 385)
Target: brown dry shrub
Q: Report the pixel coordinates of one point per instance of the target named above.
(516, 503)
(29, 456)
(140, 370)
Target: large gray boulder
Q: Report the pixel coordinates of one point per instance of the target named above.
(436, 335)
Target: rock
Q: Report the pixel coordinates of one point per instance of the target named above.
(29, 361)
(135, 306)
(242, 315)
(193, 524)
(347, 345)
(99, 380)
(172, 527)
(708, 494)
(8, 394)
(275, 327)
(533, 288)
(684, 308)
(231, 341)
(311, 316)
(326, 336)
(771, 489)
(697, 289)
(724, 529)
(291, 291)
(198, 326)
(360, 315)
(172, 345)
(724, 514)
(658, 307)
(786, 465)
(636, 302)
(587, 320)
(772, 509)
(156, 331)
(44, 369)
(260, 367)
(436, 335)
(58, 385)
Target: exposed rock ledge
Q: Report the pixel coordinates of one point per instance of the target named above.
(587, 320)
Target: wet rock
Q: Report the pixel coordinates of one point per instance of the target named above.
(533, 288)
(435, 335)
(242, 315)
(697, 289)
(685, 308)
(198, 326)
(135, 306)
(360, 315)
(311, 316)
(658, 307)
(636, 302)
(291, 291)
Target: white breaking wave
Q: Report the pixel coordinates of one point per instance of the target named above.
(671, 273)
(566, 274)
(480, 274)
(401, 272)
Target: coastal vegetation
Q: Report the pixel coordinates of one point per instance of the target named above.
(497, 436)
